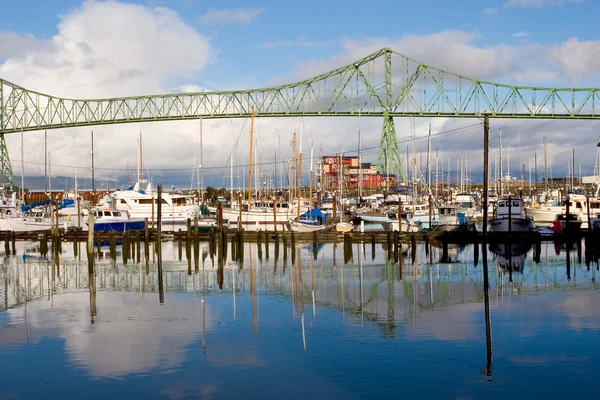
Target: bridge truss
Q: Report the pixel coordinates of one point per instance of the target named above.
(383, 84)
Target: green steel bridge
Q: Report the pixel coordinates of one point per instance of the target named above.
(383, 84)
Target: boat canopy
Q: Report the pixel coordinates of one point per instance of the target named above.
(314, 214)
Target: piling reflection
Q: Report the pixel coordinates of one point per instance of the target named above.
(488, 319)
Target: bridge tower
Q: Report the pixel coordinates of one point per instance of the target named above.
(7, 179)
(388, 157)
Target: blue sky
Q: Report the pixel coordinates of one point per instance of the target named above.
(88, 49)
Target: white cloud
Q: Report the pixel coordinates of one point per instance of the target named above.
(233, 16)
(490, 11)
(522, 34)
(14, 44)
(190, 89)
(538, 3)
(567, 62)
(136, 50)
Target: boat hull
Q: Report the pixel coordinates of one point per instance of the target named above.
(119, 226)
(454, 228)
(391, 226)
(344, 227)
(515, 225)
(256, 220)
(301, 227)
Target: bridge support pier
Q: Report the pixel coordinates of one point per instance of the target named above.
(388, 148)
(7, 179)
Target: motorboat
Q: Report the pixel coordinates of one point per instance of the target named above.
(112, 220)
(142, 203)
(567, 223)
(510, 216)
(404, 224)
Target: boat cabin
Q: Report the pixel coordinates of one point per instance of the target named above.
(110, 213)
(506, 207)
(37, 216)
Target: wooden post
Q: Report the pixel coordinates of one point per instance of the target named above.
(152, 212)
(240, 217)
(430, 211)
(510, 213)
(91, 273)
(399, 214)
(486, 148)
(161, 293)
(78, 211)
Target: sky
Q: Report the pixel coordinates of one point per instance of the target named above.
(97, 49)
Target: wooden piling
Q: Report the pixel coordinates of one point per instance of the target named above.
(91, 272)
(138, 247)
(179, 245)
(267, 244)
(7, 243)
(372, 246)
(259, 244)
(147, 246)
(161, 293)
(293, 240)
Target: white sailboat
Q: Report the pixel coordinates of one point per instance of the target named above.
(254, 215)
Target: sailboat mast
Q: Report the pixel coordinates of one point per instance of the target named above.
(300, 169)
(310, 190)
(231, 164)
(201, 166)
(50, 173)
(250, 169)
(500, 163)
(46, 161)
(360, 180)
(429, 160)
(140, 165)
(22, 169)
(93, 178)
(546, 165)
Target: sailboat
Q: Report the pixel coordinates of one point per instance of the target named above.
(254, 215)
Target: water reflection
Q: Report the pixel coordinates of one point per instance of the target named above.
(257, 313)
(510, 257)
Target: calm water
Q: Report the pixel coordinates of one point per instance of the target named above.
(309, 329)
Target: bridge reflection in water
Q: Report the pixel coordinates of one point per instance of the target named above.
(372, 287)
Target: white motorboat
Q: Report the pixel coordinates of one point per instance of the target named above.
(142, 203)
(405, 224)
(450, 219)
(510, 216)
(36, 219)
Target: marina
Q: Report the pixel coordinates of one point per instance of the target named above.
(211, 201)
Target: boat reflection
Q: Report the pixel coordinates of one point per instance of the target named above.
(510, 257)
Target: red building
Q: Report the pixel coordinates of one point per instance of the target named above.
(328, 174)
